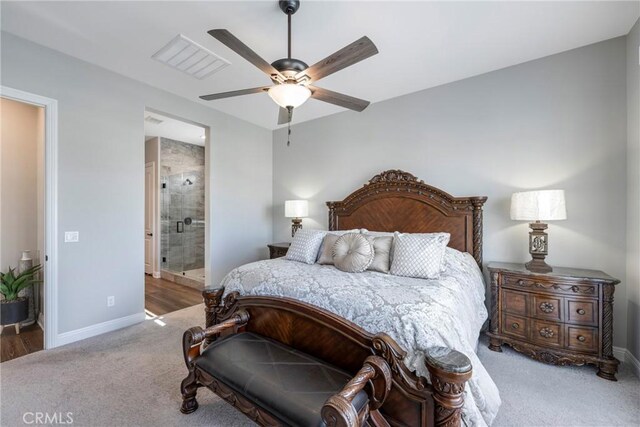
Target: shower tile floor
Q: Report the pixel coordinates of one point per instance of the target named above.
(197, 274)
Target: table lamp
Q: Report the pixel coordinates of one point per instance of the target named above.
(537, 206)
(296, 209)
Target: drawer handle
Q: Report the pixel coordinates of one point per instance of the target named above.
(547, 307)
(521, 282)
(581, 311)
(581, 338)
(546, 332)
(514, 325)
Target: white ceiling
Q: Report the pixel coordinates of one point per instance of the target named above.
(173, 129)
(421, 44)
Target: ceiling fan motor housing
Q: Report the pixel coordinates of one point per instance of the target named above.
(289, 67)
(289, 6)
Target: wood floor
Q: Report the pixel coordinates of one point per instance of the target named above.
(30, 340)
(163, 296)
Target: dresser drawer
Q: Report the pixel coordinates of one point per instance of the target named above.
(556, 287)
(546, 307)
(547, 333)
(515, 302)
(582, 339)
(584, 312)
(516, 326)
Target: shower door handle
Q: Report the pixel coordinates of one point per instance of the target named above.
(179, 227)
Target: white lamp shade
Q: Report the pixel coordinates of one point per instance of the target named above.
(543, 205)
(289, 94)
(296, 209)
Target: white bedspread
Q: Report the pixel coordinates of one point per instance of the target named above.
(417, 313)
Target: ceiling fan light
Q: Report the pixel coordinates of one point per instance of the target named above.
(289, 94)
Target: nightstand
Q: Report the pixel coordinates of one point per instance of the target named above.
(277, 250)
(564, 317)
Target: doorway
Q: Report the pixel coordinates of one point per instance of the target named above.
(28, 188)
(175, 212)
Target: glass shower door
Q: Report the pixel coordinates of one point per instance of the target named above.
(172, 243)
(182, 219)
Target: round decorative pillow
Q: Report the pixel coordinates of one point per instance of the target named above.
(352, 253)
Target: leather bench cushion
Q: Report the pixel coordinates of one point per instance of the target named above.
(289, 384)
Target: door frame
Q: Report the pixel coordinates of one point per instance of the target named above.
(50, 287)
(207, 190)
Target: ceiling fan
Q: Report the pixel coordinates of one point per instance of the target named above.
(292, 78)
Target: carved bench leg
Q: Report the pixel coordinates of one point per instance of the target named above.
(189, 389)
(449, 371)
(608, 370)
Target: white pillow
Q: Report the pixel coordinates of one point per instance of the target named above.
(305, 246)
(419, 255)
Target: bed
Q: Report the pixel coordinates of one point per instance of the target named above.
(416, 313)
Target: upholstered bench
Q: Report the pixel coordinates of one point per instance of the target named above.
(276, 384)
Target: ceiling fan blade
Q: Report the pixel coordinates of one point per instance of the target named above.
(339, 99)
(233, 43)
(234, 93)
(283, 116)
(345, 57)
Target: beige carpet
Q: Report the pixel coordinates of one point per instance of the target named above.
(131, 377)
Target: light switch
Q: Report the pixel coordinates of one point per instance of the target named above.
(71, 236)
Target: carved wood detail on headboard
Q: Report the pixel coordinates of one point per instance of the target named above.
(395, 200)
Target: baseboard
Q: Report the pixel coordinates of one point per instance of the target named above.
(41, 320)
(633, 362)
(620, 353)
(625, 356)
(156, 275)
(98, 329)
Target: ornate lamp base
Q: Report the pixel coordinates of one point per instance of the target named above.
(296, 224)
(538, 248)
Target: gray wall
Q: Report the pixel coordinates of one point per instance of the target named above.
(633, 190)
(101, 180)
(557, 122)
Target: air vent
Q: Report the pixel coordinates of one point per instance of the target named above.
(189, 57)
(153, 120)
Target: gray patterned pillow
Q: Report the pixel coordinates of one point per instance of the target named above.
(305, 245)
(352, 253)
(326, 251)
(382, 253)
(419, 255)
(325, 254)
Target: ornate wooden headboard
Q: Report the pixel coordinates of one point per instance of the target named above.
(395, 200)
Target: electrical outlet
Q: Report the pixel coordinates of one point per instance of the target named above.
(111, 301)
(71, 236)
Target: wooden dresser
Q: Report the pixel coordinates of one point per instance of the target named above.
(564, 317)
(277, 250)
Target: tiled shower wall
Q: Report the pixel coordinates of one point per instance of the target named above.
(180, 162)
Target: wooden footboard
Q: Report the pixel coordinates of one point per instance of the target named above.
(412, 401)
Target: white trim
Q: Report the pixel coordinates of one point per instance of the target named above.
(98, 329)
(620, 353)
(156, 275)
(635, 363)
(41, 320)
(208, 155)
(625, 356)
(51, 207)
